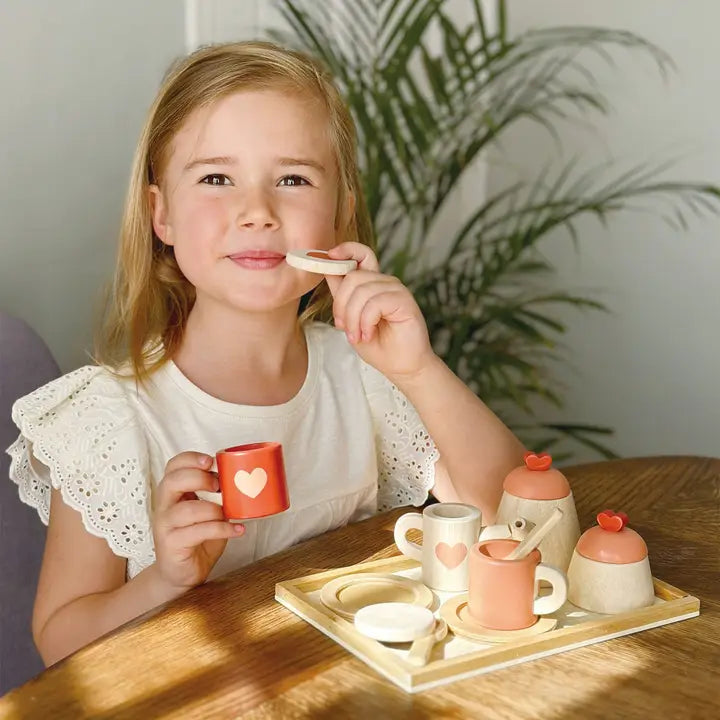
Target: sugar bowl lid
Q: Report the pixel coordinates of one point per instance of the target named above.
(611, 541)
(537, 479)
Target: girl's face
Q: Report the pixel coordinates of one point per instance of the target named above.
(246, 180)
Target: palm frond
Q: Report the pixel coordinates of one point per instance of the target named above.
(425, 113)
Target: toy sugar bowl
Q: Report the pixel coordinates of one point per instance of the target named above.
(533, 491)
(610, 571)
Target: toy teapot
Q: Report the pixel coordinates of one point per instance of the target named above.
(533, 491)
(610, 571)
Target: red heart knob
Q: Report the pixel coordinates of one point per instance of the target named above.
(534, 461)
(612, 521)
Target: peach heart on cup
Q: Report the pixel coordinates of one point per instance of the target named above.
(251, 483)
(533, 461)
(612, 521)
(451, 557)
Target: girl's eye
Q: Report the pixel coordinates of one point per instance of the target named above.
(292, 180)
(216, 180)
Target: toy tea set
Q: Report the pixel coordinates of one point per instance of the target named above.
(471, 599)
(496, 573)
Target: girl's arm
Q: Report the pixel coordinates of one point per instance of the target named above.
(385, 325)
(82, 593)
(476, 449)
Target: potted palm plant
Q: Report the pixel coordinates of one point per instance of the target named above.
(430, 97)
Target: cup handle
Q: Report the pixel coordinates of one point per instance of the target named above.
(408, 521)
(213, 497)
(558, 580)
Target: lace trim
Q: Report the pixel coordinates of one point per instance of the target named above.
(406, 452)
(83, 430)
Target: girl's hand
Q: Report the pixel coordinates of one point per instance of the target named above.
(379, 316)
(190, 534)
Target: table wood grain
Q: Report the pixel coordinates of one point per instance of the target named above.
(228, 650)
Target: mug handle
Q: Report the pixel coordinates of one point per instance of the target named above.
(558, 580)
(213, 497)
(408, 521)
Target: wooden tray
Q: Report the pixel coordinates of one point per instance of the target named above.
(458, 658)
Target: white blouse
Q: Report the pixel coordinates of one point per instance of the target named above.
(352, 443)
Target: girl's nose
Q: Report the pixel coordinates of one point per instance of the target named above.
(256, 212)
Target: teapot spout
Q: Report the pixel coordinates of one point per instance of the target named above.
(520, 528)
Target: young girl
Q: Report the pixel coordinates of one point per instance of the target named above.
(248, 152)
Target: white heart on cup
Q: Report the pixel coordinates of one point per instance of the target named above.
(251, 483)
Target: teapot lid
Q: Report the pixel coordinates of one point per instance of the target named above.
(611, 541)
(537, 479)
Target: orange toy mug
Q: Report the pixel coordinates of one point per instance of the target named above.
(252, 481)
(502, 593)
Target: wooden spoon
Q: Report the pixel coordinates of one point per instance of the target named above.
(421, 648)
(535, 537)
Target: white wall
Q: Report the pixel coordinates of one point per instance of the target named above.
(210, 21)
(650, 370)
(76, 78)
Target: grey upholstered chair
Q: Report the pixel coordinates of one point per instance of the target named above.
(25, 364)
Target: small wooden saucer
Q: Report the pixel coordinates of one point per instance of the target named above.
(318, 261)
(455, 613)
(346, 595)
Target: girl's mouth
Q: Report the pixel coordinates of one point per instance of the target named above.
(257, 259)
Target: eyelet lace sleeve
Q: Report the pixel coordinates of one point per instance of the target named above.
(79, 434)
(405, 451)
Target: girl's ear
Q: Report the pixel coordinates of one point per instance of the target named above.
(158, 209)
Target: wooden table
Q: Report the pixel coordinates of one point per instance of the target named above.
(228, 650)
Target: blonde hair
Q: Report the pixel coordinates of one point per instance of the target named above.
(150, 299)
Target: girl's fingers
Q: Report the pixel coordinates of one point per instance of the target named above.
(188, 459)
(360, 298)
(190, 512)
(364, 255)
(349, 287)
(183, 480)
(366, 260)
(384, 305)
(192, 536)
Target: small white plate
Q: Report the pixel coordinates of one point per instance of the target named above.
(394, 622)
(317, 261)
